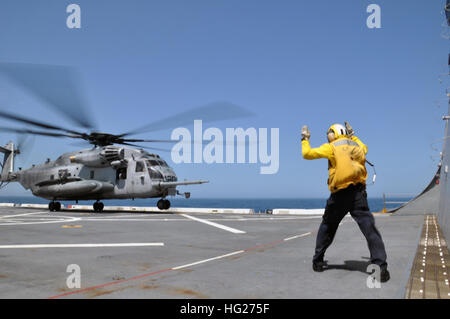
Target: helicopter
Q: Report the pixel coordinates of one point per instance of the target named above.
(114, 167)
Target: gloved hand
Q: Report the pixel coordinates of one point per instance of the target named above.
(305, 133)
(349, 129)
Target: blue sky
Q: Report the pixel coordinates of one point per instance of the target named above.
(290, 62)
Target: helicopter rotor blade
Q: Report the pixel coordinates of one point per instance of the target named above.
(25, 143)
(32, 132)
(58, 86)
(216, 111)
(22, 119)
(146, 147)
(147, 141)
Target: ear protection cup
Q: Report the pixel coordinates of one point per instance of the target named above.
(331, 137)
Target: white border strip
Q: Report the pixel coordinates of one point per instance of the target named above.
(288, 211)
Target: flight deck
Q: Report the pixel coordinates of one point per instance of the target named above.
(195, 255)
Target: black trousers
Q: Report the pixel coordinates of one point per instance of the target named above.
(352, 199)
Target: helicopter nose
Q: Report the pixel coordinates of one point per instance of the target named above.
(170, 178)
(169, 175)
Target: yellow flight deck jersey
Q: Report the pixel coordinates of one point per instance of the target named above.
(346, 161)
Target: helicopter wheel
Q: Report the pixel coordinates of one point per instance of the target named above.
(98, 207)
(163, 204)
(54, 206)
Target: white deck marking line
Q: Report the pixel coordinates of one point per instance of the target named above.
(80, 245)
(9, 216)
(233, 230)
(209, 259)
(49, 219)
(164, 270)
(297, 236)
(232, 254)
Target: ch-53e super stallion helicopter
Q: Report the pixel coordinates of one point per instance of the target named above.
(114, 168)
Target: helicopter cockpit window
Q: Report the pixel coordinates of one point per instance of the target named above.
(163, 163)
(154, 163)
(140, 167)
(154, 174)
(157, 163)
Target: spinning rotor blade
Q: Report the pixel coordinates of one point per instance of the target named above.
(215, 111)
(24, 144)
(21, 119)
(58, 86)
(32, 132)
(146, 141)
(146, 147)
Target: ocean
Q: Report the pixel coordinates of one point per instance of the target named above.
(260, 205)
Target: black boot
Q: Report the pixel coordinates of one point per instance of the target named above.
(384, 276)
(319, 266)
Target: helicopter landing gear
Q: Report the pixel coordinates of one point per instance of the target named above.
(54, 206)
(98, 207)
(163, 204)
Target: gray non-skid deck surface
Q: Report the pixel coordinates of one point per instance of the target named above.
(269, 268)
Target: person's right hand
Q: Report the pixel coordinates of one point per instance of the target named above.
(305, 133)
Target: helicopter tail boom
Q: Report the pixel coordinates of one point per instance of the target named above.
(8, 162)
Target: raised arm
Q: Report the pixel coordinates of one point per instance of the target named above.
(324, 151)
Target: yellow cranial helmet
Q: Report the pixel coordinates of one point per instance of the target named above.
(336, 131)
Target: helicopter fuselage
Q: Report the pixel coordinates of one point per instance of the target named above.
(107, 172)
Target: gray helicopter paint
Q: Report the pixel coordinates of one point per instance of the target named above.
(101, 173)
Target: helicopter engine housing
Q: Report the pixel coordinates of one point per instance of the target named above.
(100, 157)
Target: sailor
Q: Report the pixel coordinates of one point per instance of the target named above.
(347, 184)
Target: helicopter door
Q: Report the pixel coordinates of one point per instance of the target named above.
(141, 182)
(122, 180)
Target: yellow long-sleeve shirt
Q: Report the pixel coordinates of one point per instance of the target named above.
(347, 174)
